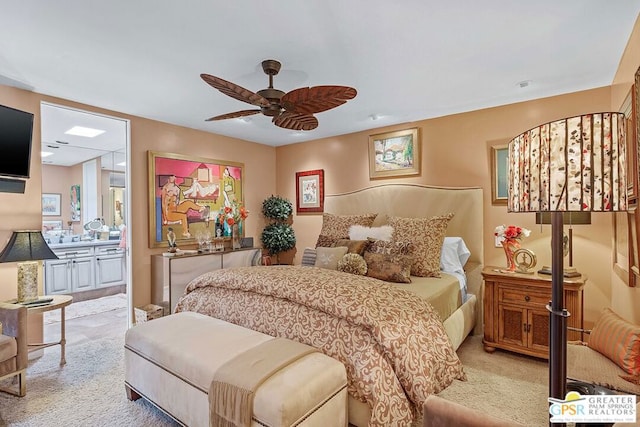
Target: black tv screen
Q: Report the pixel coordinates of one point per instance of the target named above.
(16, 128)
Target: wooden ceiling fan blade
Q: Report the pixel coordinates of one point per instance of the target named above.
(296, 121)
(311, 100)
(235, 91)
(234, 115)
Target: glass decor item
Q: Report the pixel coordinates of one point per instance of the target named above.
(235, 237)
(510, 246)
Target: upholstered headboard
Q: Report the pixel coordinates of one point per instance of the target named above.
(414, 201)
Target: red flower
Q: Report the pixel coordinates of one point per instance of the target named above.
(230, 220)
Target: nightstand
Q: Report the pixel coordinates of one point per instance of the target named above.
(515, 313)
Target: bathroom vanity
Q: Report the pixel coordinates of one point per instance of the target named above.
(84, 266)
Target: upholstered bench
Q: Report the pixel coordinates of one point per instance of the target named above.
(173, 362)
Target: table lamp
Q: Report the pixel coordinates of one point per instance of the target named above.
(575, 164)
(27, 247)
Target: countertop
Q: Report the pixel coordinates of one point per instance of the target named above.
(83, 243)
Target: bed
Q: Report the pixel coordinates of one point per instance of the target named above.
(381, 331)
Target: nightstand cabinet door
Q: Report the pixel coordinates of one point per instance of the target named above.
(512, 326)
(538, 330)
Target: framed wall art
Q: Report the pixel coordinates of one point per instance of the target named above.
(394, 154)
(187, 195)
(51, 204)
(310, 191)
(499, 170)
(75, 202)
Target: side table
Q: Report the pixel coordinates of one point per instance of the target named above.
(59, 303)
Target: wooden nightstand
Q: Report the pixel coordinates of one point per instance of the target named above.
(515, 314)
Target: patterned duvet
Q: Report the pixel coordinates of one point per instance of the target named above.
(392, 343)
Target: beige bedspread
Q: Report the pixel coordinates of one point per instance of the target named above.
(391, 341)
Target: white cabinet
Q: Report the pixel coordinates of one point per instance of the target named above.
(84, 268)
(110, 266)
(171, 275)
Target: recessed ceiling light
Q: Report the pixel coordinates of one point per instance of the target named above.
(523, 84)
(84, 131)
(121, 164)
(375, 116)
(45, 153)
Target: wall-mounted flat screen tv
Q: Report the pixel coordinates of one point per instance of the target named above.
(16, 129)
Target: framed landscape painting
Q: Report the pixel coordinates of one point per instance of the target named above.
(51, 204)
(187, 194)
(394, 154)
(310, 191)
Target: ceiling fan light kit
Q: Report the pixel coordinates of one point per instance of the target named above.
(292, 110)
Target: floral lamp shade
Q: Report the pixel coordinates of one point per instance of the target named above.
(573, 164)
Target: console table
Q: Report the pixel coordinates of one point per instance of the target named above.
(171, 275)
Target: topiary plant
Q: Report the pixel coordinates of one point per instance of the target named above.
(277, 208)
(278, 235)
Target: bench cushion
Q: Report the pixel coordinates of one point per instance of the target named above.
(189, 347)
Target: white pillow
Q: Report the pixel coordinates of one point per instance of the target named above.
(454, 255)
(360, 232)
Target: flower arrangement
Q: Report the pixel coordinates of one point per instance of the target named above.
(511, 232)
(234, 214)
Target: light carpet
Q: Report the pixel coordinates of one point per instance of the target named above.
(89, 390)
(87, 308)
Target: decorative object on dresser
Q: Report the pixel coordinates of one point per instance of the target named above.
(510, 240)
(573, 164)
(515, 314)
(394, 154)
(310, 191)
(278, 236)
(186, 192)
(27, 248)
(524, 260)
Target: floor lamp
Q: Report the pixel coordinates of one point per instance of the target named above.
(573, 164)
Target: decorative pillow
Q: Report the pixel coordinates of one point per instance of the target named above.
(427, 234)
(353, 263)
(329, 257)
(326, 241)
(359, 232)
(381, 219)
(338, 225)
(618, 340)
(309, 257)
(390, 261)
(353, 246)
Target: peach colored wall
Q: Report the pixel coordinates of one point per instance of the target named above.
(24, 210)
(456, 152)
(59, 179)
(626, 300)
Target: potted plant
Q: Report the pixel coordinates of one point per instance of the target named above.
(278, 235)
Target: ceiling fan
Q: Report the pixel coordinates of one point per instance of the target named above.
(292, 110)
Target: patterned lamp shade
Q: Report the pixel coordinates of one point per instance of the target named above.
(574, 164)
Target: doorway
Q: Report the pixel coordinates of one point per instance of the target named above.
(85, 175)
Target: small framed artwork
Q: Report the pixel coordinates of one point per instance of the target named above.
(310, 191)
(499, 170)
(75, 202)
(51, 226)
(394, 154)
(51, 204)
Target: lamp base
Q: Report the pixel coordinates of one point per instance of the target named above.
(27, 281)
(568, 271)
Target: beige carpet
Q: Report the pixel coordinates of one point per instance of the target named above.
(502, 384)
(87, 308)
(89, 390)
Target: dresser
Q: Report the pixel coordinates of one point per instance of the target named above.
(171, 275)
(515, 313)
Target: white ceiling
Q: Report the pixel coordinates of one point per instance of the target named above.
(409, 60)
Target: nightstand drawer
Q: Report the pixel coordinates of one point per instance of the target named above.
(530, 297)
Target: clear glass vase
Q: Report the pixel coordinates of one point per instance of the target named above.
(235, 236)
